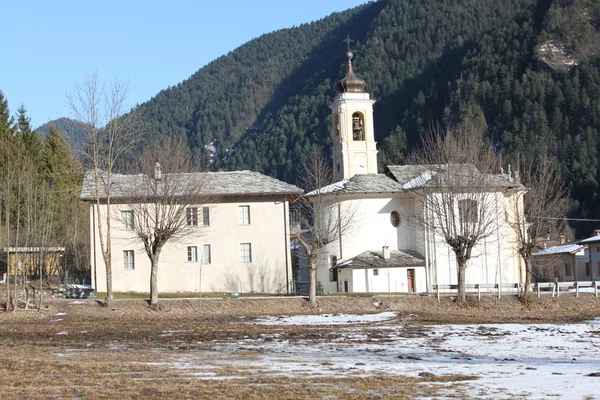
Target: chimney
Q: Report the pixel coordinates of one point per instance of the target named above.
(157, 172)
(562, 239)
(386, 252)
(596, 232)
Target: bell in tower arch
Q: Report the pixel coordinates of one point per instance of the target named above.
(358, 132)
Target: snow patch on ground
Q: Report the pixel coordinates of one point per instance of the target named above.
(325, 319)
(510, 360)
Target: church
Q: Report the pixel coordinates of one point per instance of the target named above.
(392, 245)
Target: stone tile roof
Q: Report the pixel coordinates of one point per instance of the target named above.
(215, 183)
(568, 248)
(401, 178)
(374, 259)
(364, 183)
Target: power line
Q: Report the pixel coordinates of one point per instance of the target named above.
(570, 219)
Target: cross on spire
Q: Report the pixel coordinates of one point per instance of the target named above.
(348, 41)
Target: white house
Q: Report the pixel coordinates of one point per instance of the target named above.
(240, 244)
(593, 252)
(564, 262)
(391, 245)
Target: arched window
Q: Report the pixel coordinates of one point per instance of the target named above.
(358, 124)
(395, 219)
(336, 124)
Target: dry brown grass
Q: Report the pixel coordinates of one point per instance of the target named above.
(122, 351)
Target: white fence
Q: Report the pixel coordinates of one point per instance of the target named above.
(497, 289)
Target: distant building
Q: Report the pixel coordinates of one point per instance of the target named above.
(563, 262)
(30, 260)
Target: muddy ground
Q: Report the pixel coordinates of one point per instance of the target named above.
(81, 349)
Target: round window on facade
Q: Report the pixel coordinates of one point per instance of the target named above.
(395, 218)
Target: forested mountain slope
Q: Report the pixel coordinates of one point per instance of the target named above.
(453, 62)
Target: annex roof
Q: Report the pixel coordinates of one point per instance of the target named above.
(593, 239)
(227, 183)
(568, 248)
(374, 259)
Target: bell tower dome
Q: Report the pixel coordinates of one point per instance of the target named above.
(353, 137)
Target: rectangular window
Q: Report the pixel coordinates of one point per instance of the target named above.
(556, 272)
(568, 270)
(206, 254)
(598, 266)
(192, 216)
(467, 211)
(588, 270)
(546, 272)
(245, 252)
(192, 253)
(333, 272)
(128, 259)
(205, 216)
(244, 215)
(127, 218)
(375, 272)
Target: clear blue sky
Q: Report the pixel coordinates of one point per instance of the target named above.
(49, 45)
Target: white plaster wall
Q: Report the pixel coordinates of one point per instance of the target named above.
(494, 260)
(388, 279)
(268, 234)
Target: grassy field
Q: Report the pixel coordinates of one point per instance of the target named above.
(80, 349)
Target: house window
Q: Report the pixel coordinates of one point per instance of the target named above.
(128, 259)
(556, 272)
(192, 216)
(568, 270)
(192, 254)
(127, 218)
(205, 216)
(467, 211)
(206, 254)
(546, 272)
(244, 215)
(333, 272)
(395, 218)
(598, 266)
(588, 270)
(375, 272)
(245, 252)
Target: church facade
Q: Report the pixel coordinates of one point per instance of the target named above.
(392, 244)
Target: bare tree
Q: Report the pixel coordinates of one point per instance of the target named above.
(539, 211)
(322, 220)
(110, 133)
(167, 200)
(458, 190)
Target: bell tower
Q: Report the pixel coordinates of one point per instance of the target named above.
(354, 147)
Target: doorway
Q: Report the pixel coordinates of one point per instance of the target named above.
(410, 278)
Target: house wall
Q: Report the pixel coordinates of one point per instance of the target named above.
(370, 230)
(594, 259)
(546, 267)
(268, 234)
(495, 259)
(388, 279)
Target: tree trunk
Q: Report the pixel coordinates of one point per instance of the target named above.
(312, 293)
(462, 273)
(154, 280)
(528, 273)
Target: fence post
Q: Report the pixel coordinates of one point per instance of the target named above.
(557, 289)
(538, 289)
(498, 290)
(576, 289)
(479, 292)
(438, 292)
(596, 287)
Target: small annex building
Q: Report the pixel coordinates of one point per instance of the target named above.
(240, 243)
